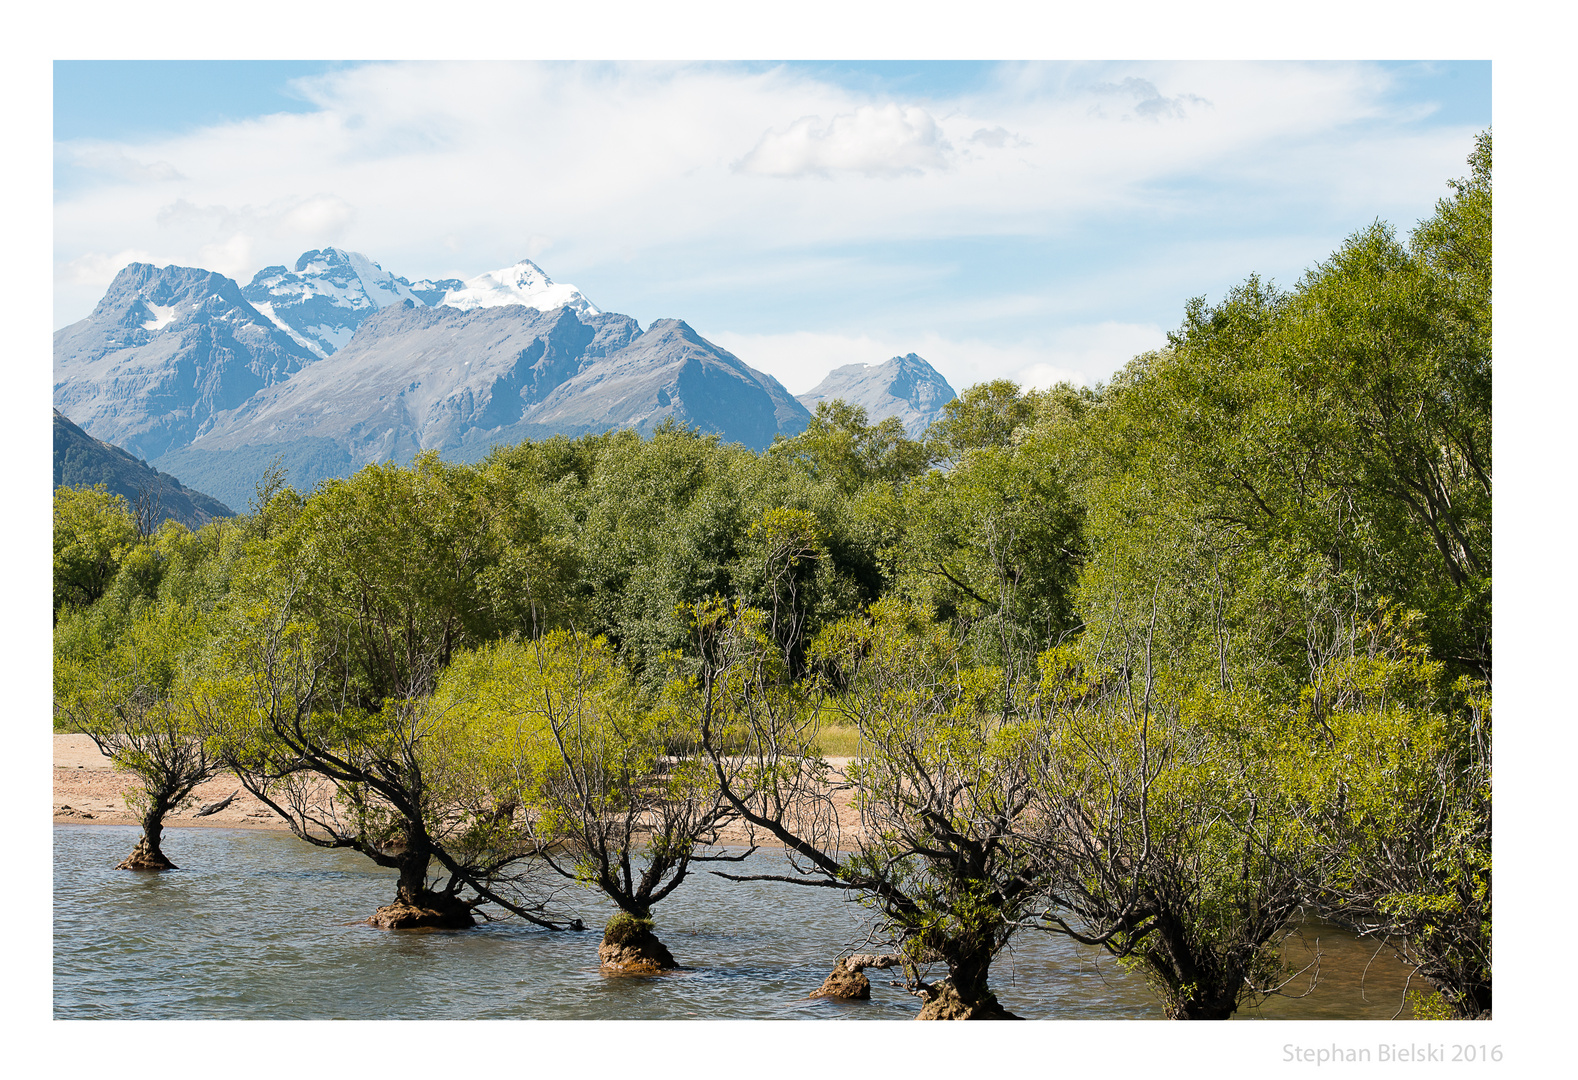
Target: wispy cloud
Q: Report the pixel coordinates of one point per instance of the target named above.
(111, 161)
(996, 139)
(1149, 103)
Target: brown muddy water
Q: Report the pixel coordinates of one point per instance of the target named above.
(258, 925)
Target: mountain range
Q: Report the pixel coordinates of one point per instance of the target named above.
(336, 363)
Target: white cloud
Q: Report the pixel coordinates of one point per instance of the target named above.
(874, 140)
(996, 138)
(323, 216)
(231, 256)
(316, 219)
(96, 269)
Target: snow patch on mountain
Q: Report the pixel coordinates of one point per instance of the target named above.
(524, 285)
(162, 316)
(267, 310)
(334, 337)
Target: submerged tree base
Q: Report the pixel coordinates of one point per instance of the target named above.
(431, 911)
(844, 984)
(944, 1003)
(637, 954)
(631, 948)
(146, 857)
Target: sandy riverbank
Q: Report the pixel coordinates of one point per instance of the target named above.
(90, 790)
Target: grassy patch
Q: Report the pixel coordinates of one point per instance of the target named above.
(837, 741)
(624, 927)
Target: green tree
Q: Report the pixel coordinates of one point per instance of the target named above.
(994, 545)
(941, 781)
(1161, 830)
(131, 699)
(842, 448)
(1293, 464)
(614, 791)
(398, 783)
(1393, 782)
(404, 567)
(93, 532)
(984, 416)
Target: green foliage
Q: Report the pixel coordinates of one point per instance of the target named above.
(940, 782)
(94, 531)
(842, 449)
(1162, 827)
(1393, 778)
(615, 793)
(132, 697)
(985, 416)
(406, 566)
(994, 546)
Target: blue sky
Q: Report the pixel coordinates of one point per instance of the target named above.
(1033, 221)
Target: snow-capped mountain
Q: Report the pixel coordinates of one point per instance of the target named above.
(324, 298)
(165, 350)
(906, 387)
(337, 363)
(322, 301)
(523, 284)
(461, 381)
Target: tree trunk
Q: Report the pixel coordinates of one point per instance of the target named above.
(147, 855)
(963, 995)
(414, 861)
(1203, 1006)
(414, 907)
(1197, 987)
(1473, 1002)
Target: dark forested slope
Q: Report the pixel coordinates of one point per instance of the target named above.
(82, 461)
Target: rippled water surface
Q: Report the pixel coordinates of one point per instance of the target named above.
(260, 925)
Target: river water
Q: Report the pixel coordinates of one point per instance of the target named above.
(258, 925)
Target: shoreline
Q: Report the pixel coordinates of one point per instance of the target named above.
(89, 790)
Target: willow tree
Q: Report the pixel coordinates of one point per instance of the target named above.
(93, 531)
(611, 788)
(397, 784)
(1162, 829)
(1393, 782)
(131, 699)
(1297, 465)
(321, 693)
(941, 786)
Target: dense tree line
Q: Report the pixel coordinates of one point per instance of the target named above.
(1155, 665)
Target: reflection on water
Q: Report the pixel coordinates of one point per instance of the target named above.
(259, 925)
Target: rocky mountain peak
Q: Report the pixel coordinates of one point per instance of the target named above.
(905, 386)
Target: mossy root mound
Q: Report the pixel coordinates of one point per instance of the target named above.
(433, 911)
(630, 948)
(145, 857)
